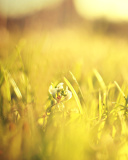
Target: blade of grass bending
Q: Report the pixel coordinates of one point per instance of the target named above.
(102, 84)
(75, 95)
(14, 85)
(119, 89)
(100, 79)
(74, 78)
(100, 105)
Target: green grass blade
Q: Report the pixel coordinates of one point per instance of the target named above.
(75, 95)
(100, 79)
(119, 89)
(74, 78)
(15, 87)
(100, 106)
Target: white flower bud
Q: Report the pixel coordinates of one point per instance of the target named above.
(52, 90)
(60, 86)
(68, 94)
(59, 93)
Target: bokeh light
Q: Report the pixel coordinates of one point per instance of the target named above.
(113, 10)
(63, 80)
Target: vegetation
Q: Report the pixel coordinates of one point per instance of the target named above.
(39, 122)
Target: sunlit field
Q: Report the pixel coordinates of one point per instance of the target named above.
(39, 120)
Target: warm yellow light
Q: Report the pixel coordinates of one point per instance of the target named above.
(114, 10)
(14, 8)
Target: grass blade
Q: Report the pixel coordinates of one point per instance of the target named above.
(75, 95)
(74, 78)
(119, 89)
(15, 87)
(100, 106)
(100, 79)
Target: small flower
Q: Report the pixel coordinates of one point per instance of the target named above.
(52, 90)
(59, 93)
(60, 86)
(68, 94)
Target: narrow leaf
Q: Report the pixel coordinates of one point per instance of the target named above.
(15, 87)
(119, 89)
(100, 105)
(75, 95)
(100, 79)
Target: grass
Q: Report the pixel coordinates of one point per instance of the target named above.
(93, 123)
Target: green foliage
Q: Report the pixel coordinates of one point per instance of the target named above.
(38, 125)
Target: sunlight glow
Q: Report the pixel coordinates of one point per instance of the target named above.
(114, 10)
(15, 8)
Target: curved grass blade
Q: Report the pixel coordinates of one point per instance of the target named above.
(119, 89)
(74, 78)
(100, 106)
(15, 87)
(75, 95)
(100, 79)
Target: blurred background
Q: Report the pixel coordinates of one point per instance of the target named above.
(53, 13)
(40, 42)
(56, 36)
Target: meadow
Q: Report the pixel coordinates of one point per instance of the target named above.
(92, 124)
